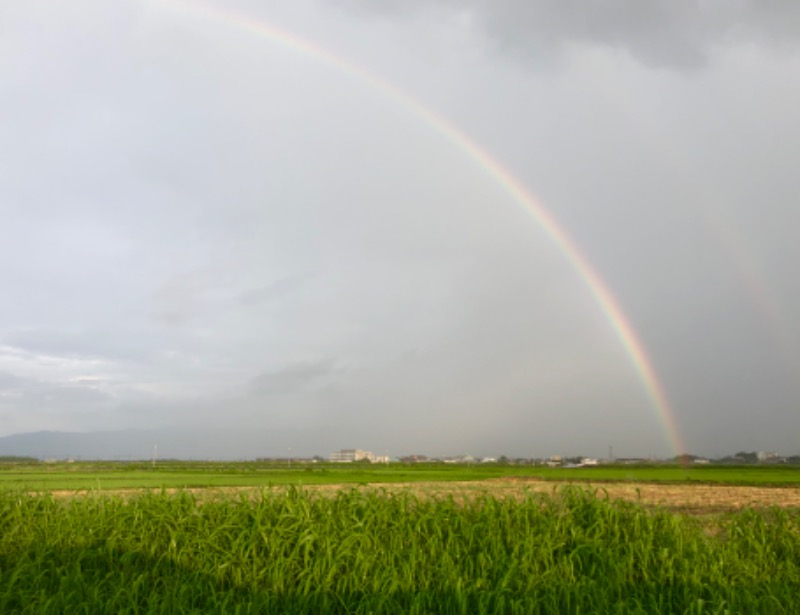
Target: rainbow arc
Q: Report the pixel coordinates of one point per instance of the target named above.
(603, 296)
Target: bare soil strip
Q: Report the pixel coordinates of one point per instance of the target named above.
(698, 499)
(691, 499)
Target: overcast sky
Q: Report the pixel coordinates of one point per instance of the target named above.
(206, 227)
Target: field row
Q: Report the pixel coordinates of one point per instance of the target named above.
(121, 475)
(682, 498)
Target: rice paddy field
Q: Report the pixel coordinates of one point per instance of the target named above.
(84, 538)
(109, 476)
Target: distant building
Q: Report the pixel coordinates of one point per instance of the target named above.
(349, 455)
(554, 461)
(414, 458)
(459, 459)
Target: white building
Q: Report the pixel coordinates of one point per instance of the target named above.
(349, 455)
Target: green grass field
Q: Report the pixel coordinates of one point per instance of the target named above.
(364, 551)
(181, 474)
(295, 550)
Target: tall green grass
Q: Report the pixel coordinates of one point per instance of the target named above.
(372, 552)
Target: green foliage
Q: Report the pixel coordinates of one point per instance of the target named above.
(373, 552)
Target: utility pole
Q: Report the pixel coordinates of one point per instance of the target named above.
(155, 454)
(611, 453)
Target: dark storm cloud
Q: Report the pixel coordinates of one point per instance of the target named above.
(659, 33)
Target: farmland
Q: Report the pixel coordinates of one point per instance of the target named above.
(259, 538)
(104, 476)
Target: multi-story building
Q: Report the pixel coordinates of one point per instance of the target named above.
(349, 455)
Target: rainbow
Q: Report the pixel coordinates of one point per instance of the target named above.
(600, 291)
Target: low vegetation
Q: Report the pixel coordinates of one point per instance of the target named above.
(372, 551)
(96, 476)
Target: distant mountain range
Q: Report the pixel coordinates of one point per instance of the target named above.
(167, 444)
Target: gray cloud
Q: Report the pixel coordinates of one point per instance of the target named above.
(169, 181)
(36, 391)
(263, 294)
(659, 33)
(293, 378)
(86, 344)
(26, 401)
